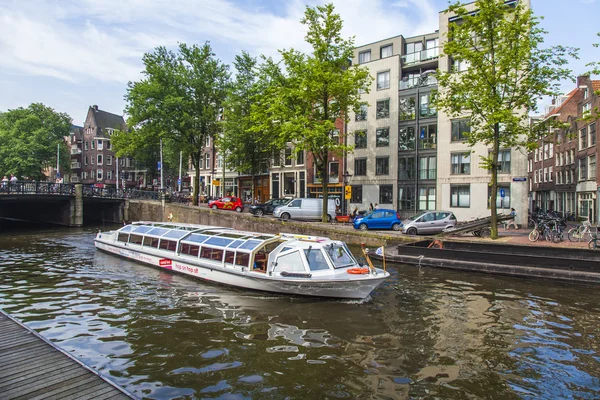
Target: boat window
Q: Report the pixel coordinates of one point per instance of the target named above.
(169, 245)
(157, 231)
(250, 244)
(316, 259)
(242, 259)
(291, 262)
(236, 243)
(219, 241)
(123, 237)
(136, 239)
(127, 228)
(340, 256)
(175, 234)
(196, 238)
(229, 257)
(211, 254)
(150, 242)
(143, 229)
(190, 249)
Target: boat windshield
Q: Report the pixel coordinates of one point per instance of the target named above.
(340, 255)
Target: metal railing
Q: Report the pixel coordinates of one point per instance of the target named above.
(31, 187)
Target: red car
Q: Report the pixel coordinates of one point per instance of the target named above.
(227, 203)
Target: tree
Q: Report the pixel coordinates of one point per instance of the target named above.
(29, 138)
(317, 90)
(507, 73)
(247, 148)
(179, 101)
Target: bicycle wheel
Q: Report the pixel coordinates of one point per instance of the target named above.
(557, 236)
(574, 235)
(534, 235)
(592, 245)
(586, 236)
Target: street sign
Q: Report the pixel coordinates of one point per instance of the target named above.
(216, 182)
(348, 192)
(502, 193)
(519, 179)
(179, 181)
(159, 165)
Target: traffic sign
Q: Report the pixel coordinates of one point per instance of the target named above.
(159, 165)
(348, 192)
(502, 193)
(179, 181)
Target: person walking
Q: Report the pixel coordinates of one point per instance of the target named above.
(371, 208)
(512, 221)
(13, 178)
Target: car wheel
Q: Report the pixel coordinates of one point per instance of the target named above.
(411, 231)
(285, 216)
(363, 227)
(238, 209)
(396, 227)
(214, 207)
(260, 213)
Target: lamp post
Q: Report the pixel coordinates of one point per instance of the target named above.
(346, 176)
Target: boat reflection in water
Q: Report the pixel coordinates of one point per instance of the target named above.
(284, 263)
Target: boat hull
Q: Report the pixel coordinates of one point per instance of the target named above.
(343, 286)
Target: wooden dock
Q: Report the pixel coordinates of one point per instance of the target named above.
(31, 367)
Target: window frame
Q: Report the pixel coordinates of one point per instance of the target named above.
(459, 165)
(360, 140)
(382, 165)
(386, 194)
(459, 136)
(458, 202)
(380, 134)
(382, 114)
(385, 84)
(360, 166)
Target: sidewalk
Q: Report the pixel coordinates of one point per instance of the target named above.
(521, 237)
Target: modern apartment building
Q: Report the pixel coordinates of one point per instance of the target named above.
(395, 133)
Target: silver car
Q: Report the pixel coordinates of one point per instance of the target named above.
(428, 222)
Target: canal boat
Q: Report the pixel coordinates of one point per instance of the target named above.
(283, 263)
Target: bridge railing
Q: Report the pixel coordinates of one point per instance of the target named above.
(31, 187)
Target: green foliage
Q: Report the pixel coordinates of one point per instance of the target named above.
(29, 138)
(178, 100)
(508, 72)
(314, 90)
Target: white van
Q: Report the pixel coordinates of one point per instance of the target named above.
(305, 209)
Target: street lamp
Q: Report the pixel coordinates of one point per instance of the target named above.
(346, 176)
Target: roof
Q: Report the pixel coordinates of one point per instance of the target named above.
(557, 109)
(596, 85)
(105, 119)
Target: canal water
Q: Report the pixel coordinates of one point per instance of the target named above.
(423, 334)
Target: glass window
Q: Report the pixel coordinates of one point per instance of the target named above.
(406, 197)
(288, 156)
(414, 47)
(428, 137)
(501, 202)
(427, 167)
(583, 138)
(383, 109)
(406, 168)
(582, 169)
(592, 167)
(99, 159)
(206, 161)
(426, 110)
(504, 161)
(382, 166)
(426, 198)
(460, 196)
(360, 166)
(383, 80)
(316, 260)
(406, 138)
(364, 56)
(460, 130)
(461, 163)
(300, 158)
(93, 144)
(406, 108)
(386, 194)
(360, 139)
(592, 130)
(382, 136)
(291, 262)
(361, 115)
(357, 194)
(386, 51)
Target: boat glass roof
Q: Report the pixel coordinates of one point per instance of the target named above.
(196, 238)
(251, 244)
(158, 231)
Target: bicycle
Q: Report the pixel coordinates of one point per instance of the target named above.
(576, 234)
(593, 243)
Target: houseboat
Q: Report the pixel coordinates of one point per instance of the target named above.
(284, 263)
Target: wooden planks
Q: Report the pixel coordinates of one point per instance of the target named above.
(33, 368)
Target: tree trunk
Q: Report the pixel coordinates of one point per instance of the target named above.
(494, 191)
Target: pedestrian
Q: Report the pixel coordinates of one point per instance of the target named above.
(512, 221)
(371, 208)
(376, 206)
(4, 181)
(13, 178)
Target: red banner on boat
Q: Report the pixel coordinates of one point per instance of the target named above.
(165, 263)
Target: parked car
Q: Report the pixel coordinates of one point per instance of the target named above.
(427, 222)
(227, 203)
(268, 207)
(379, 219)
(305, 209)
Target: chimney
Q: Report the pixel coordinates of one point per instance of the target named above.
(95, 107)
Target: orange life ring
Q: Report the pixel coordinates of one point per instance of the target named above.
(358, 271)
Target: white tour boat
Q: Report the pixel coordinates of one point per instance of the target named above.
(284, 263)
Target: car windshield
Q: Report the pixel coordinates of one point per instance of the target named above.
(418, 215)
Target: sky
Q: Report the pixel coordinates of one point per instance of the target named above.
(71, 54)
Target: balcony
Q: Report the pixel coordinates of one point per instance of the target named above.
(75, 179)
(420, 56)
(410, 83)
(75, 150)
(75, 165)
(427, 174)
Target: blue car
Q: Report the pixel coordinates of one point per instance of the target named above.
(379, 219)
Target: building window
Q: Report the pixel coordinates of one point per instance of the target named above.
(427, 198)
(460, 65)
(592, 167)
(460, 196)
(503, 165)
(85, 160)
(592, 134)
(206, 161)
(364, 57)
(99, 159)
(586, 108)
(406, 138)
(109, 160)
(85, 146)
(100, 145)
(501, 202)
(334, 172)
(93, 144)
(288, 157)
(427, 168)
(386, 194)
(219, 161)
(406, 108)
(426, 110)
(382, 165)
(382, 137)
(406, 197)
(360, 166)
(357, 194)
(582, 169)
(583, 138)
(406, 168)
(99, 175)
(427, 137)
(109, 174)
(385, 51)
(383, 80)
(108, 145)
(383, 109)
(300, 158)
(207, 141)
(460, 130)
(360, 139)
(461, 163)
(361, 115)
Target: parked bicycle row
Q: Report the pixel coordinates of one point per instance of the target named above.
(554, 229)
